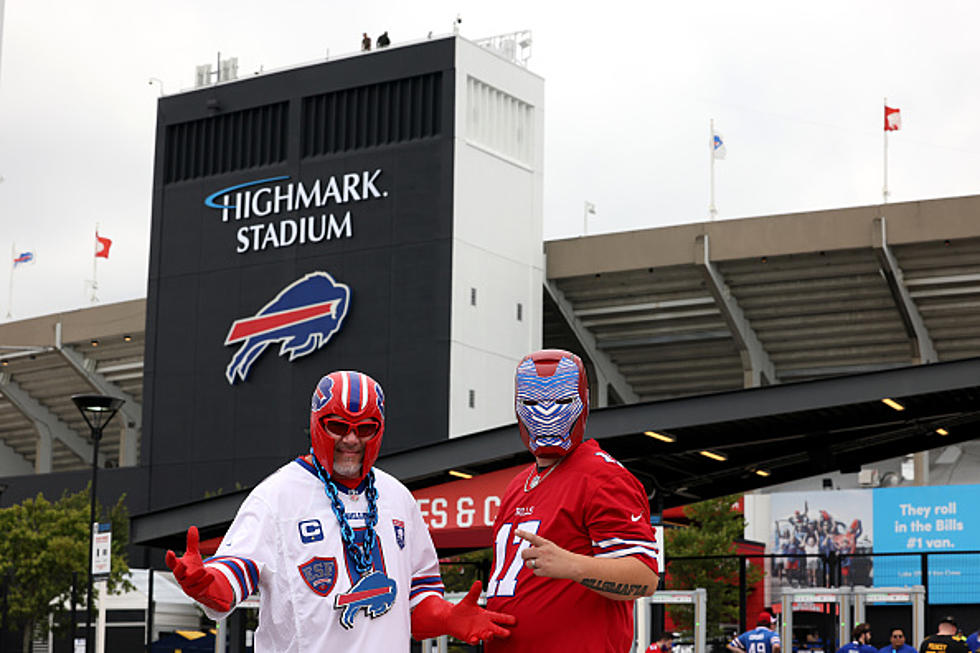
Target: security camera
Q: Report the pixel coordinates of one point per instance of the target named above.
(459, 20)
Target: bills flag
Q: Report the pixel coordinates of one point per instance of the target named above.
(23, 257)
(718, 150)
(893, 119)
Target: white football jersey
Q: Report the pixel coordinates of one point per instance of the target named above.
(285, 542)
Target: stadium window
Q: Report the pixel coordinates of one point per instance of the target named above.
(472, 296)
(472, 398)
(520, 312)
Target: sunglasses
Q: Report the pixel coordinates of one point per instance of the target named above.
(341, 427)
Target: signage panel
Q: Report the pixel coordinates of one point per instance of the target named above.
(857, 524)
(928, 520)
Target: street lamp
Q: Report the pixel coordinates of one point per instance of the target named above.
(97, 411)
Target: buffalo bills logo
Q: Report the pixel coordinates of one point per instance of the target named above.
(374, 592)
(399, 532)
(319, 574)
(303, 317)
(322, 393)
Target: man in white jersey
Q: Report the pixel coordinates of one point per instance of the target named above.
(336, 548)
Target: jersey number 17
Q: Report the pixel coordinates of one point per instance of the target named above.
(507, 554)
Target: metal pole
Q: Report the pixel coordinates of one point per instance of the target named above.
(700, 620)
(3, 617)
(918, 613)
(712, 211)
(924, 570)
(742, 591)
(149, 610)
(884, 189)
(10, 292)
(786, 632)
(89, 632)
(74, 608)
(641, 615)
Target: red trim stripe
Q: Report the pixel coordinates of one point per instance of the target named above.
(345, 599)
(252, 326)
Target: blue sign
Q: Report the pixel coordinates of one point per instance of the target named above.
(929, 519)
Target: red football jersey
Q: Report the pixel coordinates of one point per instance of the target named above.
(588, 504)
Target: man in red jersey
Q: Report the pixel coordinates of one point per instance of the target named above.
(573, 545)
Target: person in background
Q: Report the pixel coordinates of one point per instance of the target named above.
(662, 645)
(860, 641)
(946, 639)
(897, 643)
(973, 641)
(365, 43)
(383, 41)
(761, 639)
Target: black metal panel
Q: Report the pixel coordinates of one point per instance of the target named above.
(380, 114)
(226, 142)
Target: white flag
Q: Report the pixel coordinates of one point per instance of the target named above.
(718, 150)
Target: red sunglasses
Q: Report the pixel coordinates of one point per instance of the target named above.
(340, 427)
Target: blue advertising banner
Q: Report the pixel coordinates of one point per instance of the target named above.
(929, 519)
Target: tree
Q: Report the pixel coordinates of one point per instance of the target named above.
(459, 572)
(42, 544)
(714, 528)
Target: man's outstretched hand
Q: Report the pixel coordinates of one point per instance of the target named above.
(471, 623)
(206, 586)
(465, 621)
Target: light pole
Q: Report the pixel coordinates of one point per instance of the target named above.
(97, 411)
(157, 81)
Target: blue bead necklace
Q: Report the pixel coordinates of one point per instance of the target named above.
(359, 553)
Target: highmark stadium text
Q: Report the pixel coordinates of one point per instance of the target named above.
(262, 198)
(309, 229)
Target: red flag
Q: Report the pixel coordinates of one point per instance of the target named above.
(102, 246)
(893, 119)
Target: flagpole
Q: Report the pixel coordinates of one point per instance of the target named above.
(712, 211)
(10, 294)
(884, 189)
(95, 261)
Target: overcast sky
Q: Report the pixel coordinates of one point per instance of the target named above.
(796, 90)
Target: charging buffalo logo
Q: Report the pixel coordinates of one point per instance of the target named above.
(302, 317)
(375, 593)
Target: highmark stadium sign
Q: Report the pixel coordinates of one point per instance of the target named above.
(286, 213)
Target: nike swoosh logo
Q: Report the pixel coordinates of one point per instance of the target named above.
(635, 517)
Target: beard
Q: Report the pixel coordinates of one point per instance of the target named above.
(347, 468)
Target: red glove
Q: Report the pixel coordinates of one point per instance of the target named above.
(206, 586)
(465, 621)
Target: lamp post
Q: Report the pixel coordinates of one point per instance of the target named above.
(97, 411)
